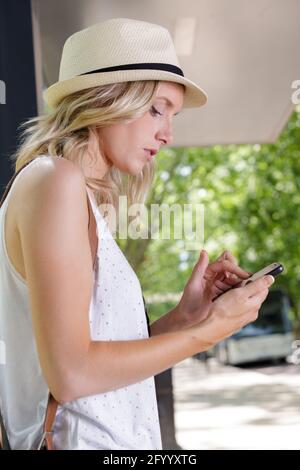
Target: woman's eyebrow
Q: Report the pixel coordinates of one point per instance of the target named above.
(169, 103)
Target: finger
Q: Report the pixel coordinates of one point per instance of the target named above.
(260, 284)
(222, 256)
(225, 265)
(255, 302)
(229, 256)
(235, 284)
(222, 285)
(220, 276)
(226, 255)
(232, 280)
(201, 265)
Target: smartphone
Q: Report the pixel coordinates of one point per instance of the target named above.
(274, 269)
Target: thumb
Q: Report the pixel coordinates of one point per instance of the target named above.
(201, 265)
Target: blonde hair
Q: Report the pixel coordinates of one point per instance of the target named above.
(67, 130)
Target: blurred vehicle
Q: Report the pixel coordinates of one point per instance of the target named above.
(270, 337)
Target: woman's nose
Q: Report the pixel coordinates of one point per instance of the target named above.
(165, 134)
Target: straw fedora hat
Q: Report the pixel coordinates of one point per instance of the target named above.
(120, 50)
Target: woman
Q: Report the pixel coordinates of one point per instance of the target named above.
(75, 327)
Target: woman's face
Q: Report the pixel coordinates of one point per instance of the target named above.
(123, 145)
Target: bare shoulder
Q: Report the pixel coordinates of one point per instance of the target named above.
(48, 186)
(50, 181)
(51, 170)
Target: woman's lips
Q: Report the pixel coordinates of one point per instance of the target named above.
(150, 153)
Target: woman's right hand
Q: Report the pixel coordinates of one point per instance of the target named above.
(233, 310)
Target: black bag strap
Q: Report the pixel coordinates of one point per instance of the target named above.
(4, 444)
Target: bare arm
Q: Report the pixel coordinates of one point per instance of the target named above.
(53, 226)
(171, 321)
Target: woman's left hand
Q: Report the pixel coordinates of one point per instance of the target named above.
(208, 281)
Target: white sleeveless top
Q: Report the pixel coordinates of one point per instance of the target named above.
(126, 418)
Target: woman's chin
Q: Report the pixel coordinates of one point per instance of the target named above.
(132, 169)
(135, 170)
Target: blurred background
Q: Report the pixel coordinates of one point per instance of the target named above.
(239, 157)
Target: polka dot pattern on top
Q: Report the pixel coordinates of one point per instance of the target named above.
(126, 418)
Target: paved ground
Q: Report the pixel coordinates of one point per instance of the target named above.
(225, 407)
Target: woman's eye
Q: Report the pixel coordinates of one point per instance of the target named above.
(154, 111)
